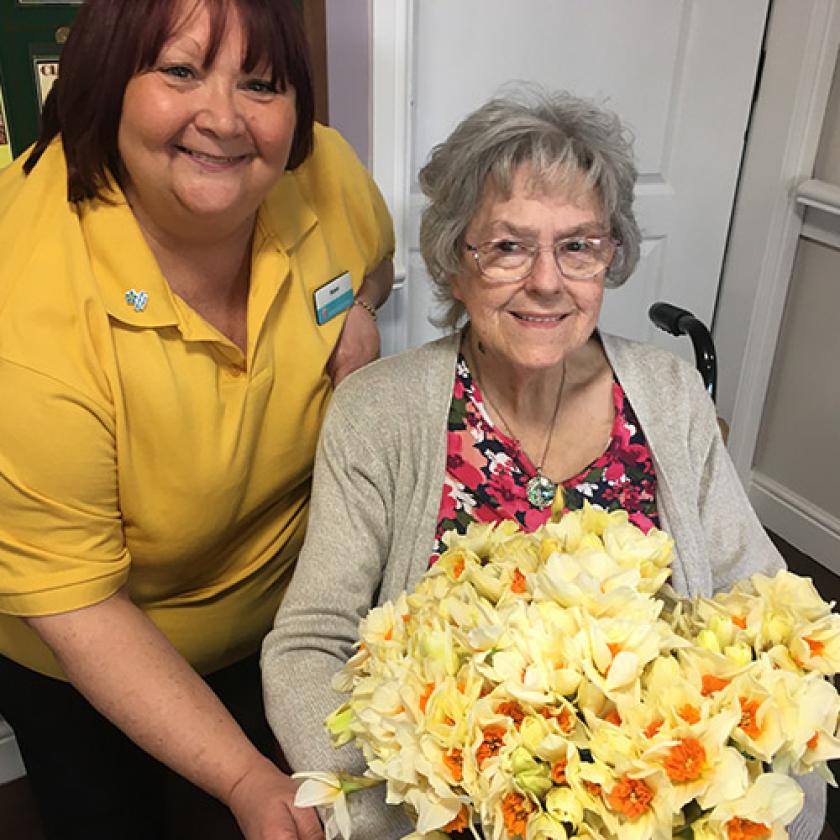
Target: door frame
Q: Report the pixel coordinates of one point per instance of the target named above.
(391, 81)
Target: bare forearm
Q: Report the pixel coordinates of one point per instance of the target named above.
(376, 287)
(131, 673)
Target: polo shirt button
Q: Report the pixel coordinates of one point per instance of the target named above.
(236, 372)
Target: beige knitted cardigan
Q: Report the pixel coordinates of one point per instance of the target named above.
(377, 487)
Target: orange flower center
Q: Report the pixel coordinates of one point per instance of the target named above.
(513, 710)
(815, 646)
(652, 728)
(740, 829)
(749, 723)
(455, 762)
(615, 649)
(685, 760)
(424, 697)
(592, 788)
(689, 713)
(558, 772)
(516, 809)
(711, 684)
(494, 737)
(631, 797)
(613, 717)
(518, 583)
(738, 621)
(460, 822)
(813, 741)
(565, 719)
(458, 570)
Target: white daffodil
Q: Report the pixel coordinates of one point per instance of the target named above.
(330, 790)
(552, 683)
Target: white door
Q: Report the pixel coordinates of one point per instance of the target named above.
(680, 74)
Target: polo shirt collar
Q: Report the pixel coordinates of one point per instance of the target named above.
(133, 288)
(123, 263)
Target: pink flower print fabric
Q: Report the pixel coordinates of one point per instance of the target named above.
(487, 471)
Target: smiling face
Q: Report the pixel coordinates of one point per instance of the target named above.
(534, 323)
(202, 145)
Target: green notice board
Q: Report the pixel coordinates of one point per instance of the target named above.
(31, 35)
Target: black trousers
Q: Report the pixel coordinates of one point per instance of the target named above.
(90, 782)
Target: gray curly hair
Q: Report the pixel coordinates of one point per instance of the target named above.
(561, 138)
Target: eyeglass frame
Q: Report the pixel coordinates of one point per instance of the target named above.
(535, 250)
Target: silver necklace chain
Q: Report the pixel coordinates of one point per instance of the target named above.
(541, 489)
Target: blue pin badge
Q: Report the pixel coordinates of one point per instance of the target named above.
(137, 299)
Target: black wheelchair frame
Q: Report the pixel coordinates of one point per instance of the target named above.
(676, 321)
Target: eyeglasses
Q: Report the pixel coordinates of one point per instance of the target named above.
(577, 257)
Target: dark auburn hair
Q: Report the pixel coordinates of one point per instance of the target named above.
(113, 40)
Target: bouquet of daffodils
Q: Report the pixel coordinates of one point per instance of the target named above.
(551, 685)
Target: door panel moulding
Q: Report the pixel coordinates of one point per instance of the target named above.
(812, 530)
(801, 51)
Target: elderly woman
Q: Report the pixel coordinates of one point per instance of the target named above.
(529, 218)
(179, 256)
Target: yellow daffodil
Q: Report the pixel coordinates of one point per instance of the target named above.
(563, 804)
(338, 725)
(772, 799)
(759, 730)
(816, 646)
(552, 684)
(543, 826)
(530, 775)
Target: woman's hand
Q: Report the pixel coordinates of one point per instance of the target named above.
(358, 343)
(263, 803)
(129, 671)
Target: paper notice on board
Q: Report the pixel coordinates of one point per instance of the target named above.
(46, 71)
(5, 143)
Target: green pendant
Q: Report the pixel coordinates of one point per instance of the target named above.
(541, 491)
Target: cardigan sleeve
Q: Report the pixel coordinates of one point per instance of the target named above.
(736, 544)
(336, 582)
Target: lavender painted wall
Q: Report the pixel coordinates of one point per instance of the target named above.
(348, 71)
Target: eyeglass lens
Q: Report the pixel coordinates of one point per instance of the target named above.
(577, 259)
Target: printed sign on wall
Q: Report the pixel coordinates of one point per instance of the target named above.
(5, 144)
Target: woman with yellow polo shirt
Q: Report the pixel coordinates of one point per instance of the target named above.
(180, 255)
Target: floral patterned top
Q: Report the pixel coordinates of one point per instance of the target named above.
(487, 471)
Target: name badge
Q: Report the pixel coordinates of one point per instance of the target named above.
(333, 298)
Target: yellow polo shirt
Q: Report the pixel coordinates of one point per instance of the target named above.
(138, 445)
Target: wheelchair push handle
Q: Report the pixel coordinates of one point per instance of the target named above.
(676, 321)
